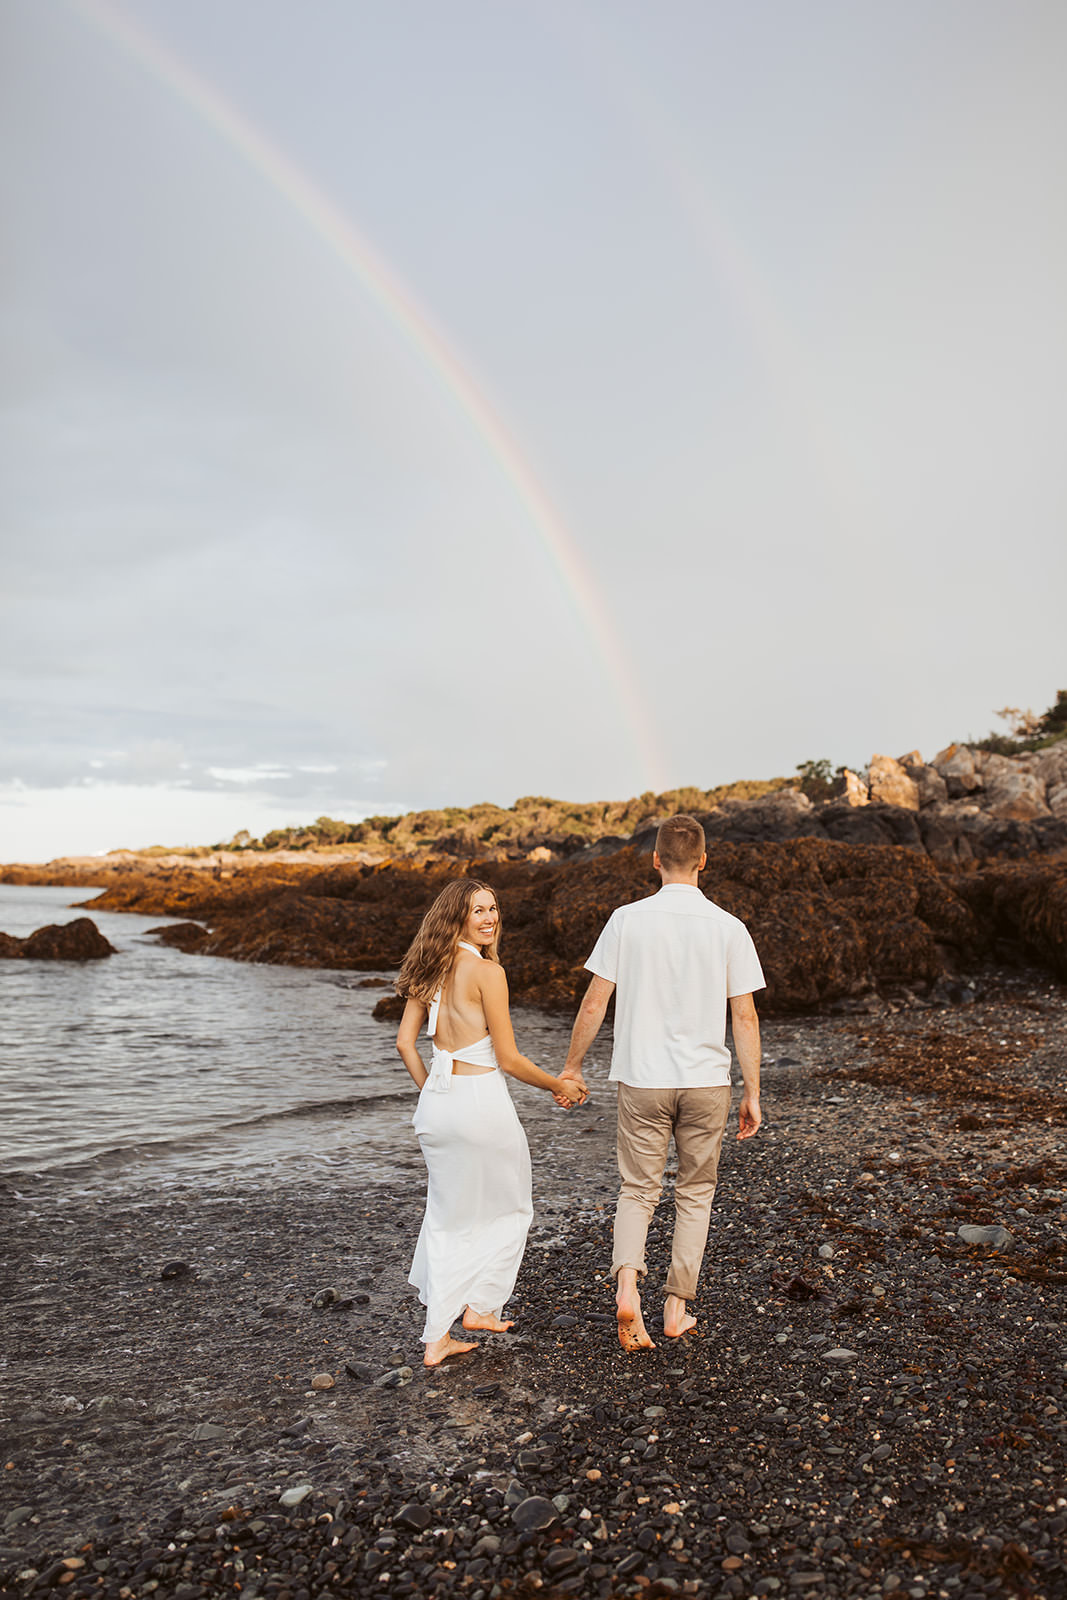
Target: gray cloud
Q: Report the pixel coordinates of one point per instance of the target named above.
(776, 321)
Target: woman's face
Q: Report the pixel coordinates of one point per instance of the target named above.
(480, 927)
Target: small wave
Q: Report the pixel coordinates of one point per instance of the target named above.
(145, 1149)
(321, 1108)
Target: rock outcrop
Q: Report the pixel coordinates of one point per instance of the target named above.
(911, 871)
(80, 940)
(832, 920)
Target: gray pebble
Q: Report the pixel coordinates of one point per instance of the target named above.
(1000, 1238)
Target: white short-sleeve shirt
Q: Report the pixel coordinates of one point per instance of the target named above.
(675, 958)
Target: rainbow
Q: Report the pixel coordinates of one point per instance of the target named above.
(414, 325)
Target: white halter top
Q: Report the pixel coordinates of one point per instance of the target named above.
(478, 1054)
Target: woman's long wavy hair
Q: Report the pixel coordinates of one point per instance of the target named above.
(433, 949)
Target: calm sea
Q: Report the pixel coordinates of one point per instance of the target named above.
(157, 1067)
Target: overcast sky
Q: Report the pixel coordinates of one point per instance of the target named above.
(446, 400)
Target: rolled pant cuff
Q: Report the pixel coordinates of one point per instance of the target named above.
(622, 1266)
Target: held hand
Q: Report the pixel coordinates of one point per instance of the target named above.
(574, 1087)
(571, 1092)
(749, 1116)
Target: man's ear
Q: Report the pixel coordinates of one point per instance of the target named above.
(656, 862)
(702, 863)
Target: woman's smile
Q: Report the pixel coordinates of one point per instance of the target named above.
(482, 921)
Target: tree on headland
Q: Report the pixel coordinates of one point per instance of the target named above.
(1027, 731)
(818, 780)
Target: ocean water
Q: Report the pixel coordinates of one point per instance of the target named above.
(156, 1067)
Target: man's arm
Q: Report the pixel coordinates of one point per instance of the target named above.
(587, 1023)
(745, 1024)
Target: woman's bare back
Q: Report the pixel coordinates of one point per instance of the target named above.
(460, 1014)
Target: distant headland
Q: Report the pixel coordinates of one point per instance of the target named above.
(906, 874)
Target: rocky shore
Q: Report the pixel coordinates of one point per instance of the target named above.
(218, 1391)
(918, 875)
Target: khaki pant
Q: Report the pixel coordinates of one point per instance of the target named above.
(647, 1119)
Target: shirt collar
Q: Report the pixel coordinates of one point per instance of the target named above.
(683, 888)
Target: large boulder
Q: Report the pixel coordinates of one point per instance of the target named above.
(1056, 800)
(853, 790)
(870, 825)
(891, 784)
(956, 765)
(1014, 795)
(930, 785)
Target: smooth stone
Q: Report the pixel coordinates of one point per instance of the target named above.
(1000, 1238)
(175, 1269)
(395, 1379)
(322, 1380)
(19, 1514)
(826, 1251)
(416, 1516)
(294, 1496)
(840, 1355)
(534, 1513)
(210, 1430)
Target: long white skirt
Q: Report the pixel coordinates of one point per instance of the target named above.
(478, 1200)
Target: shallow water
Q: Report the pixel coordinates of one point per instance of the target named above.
(158, 1067)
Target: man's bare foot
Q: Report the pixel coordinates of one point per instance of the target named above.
(633, 1335)
(441, 1349)
(676, 1319)
(486, 1321)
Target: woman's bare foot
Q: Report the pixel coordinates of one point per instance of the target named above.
(485, 1321)
(676, 1319)
(633, 1335)
(441, 1349)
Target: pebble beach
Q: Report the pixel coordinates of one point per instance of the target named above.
(218, 1389)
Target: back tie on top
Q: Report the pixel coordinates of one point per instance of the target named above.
(478, 1054)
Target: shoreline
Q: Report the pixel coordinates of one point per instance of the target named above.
(153, 1423)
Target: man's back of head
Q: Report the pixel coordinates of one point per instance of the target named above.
(680, 844)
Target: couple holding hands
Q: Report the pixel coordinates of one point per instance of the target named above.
(675, 961)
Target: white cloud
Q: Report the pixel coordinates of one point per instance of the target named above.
(258, 774)
(40, 824)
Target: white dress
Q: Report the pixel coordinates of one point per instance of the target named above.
(478, 1191)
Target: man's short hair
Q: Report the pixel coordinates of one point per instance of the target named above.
(680, 843)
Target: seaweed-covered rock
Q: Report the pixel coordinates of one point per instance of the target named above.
(1023, 904)
(80, 940)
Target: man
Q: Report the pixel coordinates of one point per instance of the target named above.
(677, 959)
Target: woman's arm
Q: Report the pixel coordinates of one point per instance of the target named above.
(494, 994)
(415, 1014)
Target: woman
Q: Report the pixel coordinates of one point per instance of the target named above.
(478, 1206)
